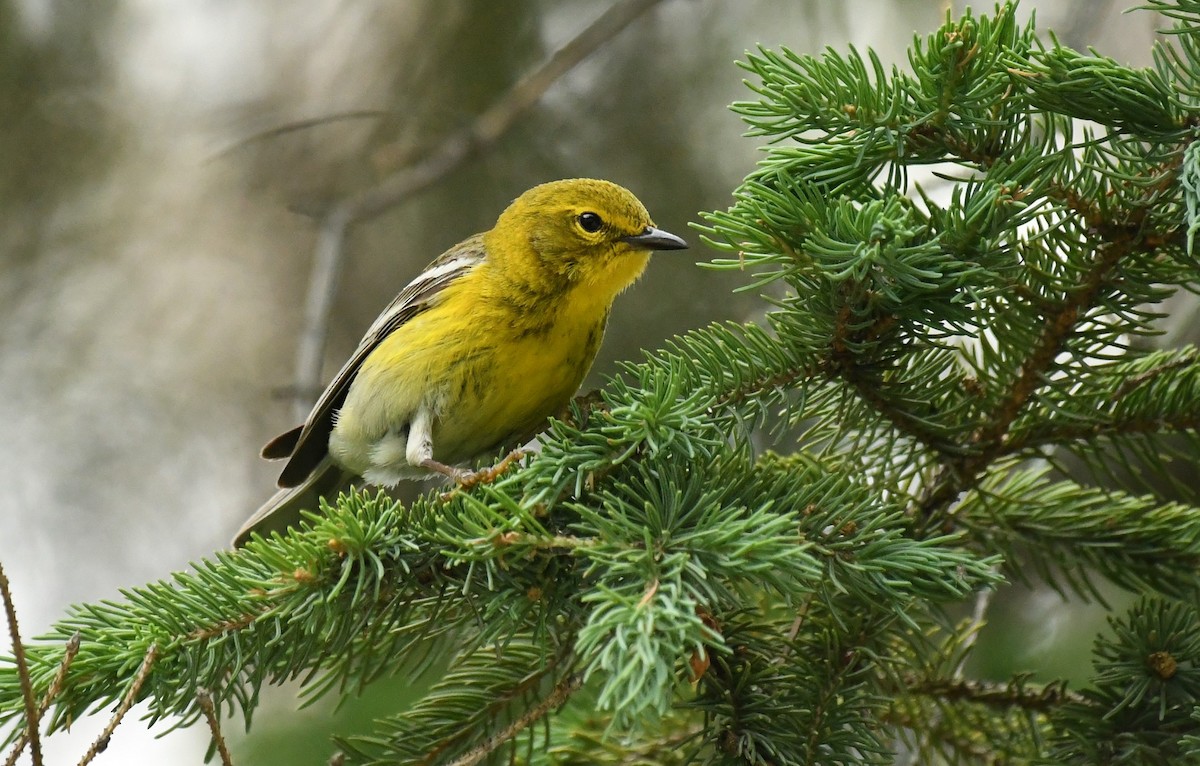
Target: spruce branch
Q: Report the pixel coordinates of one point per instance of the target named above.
(1153, 394)
(1063, 434)
(653, 578)
(1115, 243)
(1067, 533)
(822, 691)
(1136, 711)
(1184, 361)
(932, 731)
(204, 624)
(1102, 90)
(943, 721)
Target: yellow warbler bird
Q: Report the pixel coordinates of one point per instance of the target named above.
(476, 352)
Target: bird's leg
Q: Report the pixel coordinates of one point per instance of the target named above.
(419, 449)
(419, 452)
(462, 476)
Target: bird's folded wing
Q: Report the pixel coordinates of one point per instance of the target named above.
(312, 443)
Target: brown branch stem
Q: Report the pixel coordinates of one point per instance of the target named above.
(225, 626)
(1065, 433)
(31, 708)
(558, 695)
(1137, 381)
(434, 756)
(56, 684)
(845, 365)
(127, 702)
(204, 699)
(1006, 695)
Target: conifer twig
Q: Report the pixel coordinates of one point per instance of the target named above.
(1042, 435)
(31, 708)
(825, 699)
(69, 651)
(794, 630)
(131, 696)
(844, 364)
(484, 131)
(1006, 695)
(1137, 381)
(558, 695)
(435, 754)
(204, 699)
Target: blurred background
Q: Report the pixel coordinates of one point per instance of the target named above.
(157, 236)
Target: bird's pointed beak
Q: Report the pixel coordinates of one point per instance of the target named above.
(656, 239)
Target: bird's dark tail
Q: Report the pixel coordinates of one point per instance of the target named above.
(284, 507)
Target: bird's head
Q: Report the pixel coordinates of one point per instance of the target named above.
(579, 232)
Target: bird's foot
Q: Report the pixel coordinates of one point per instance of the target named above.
(491, 473)
(467, 479)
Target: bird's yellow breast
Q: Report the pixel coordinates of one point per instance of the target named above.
(490, 371)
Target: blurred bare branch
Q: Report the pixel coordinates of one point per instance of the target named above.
(305, 124)
(983, 600)
(1086, 19)
(480, 134)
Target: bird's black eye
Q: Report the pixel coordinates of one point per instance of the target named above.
(590, 222)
